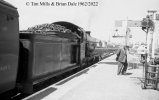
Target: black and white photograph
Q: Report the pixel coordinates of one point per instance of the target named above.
(79, 49)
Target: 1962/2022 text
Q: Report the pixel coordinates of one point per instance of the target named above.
(62, 4)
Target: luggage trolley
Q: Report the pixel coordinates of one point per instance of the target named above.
(151, 77)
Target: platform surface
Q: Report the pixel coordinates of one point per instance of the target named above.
(100, 82)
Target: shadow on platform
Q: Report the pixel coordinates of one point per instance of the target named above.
(140, 80)
(43, 94)
(110, 63)
(128, 74)
(68, 79)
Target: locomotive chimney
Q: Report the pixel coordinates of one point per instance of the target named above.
(88, 32)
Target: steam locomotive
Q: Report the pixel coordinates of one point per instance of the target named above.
(39, 53)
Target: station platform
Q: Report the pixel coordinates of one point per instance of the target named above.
(99, 82)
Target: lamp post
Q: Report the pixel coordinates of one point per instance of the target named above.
(148, 26)
(151, 14)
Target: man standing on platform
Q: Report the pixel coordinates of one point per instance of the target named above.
(122, 60)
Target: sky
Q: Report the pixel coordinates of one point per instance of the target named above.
(100, 19)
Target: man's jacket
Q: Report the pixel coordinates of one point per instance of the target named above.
(121, 55)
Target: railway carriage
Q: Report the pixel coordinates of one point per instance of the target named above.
(9, 46)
